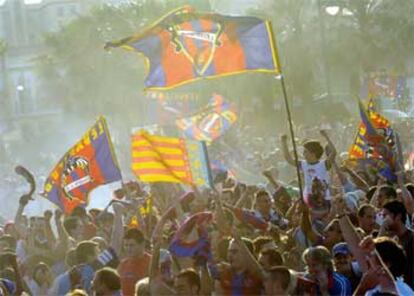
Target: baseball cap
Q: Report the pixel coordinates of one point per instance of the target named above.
(341, 248)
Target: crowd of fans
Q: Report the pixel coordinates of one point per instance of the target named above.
(349, 234)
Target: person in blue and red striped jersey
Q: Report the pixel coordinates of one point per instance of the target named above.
(320, 269)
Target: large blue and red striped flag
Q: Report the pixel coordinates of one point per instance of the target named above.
(89, 163)
(186, 45)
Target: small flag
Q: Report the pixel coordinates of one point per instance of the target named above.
(182, 247)
(89, 163)
(165, 159)
(186, 45)
(374, 144)
(211, 122)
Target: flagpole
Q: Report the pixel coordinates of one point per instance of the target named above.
(292, 133)
(289, 115)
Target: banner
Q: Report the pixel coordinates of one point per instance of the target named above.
(89, 163)
(211, 122)
(186, 45)
(165, 159)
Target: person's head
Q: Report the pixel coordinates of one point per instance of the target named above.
(81, 213)
(392, 254)
(102, 243)
(38, 224)
(277, 282)
(312, 151)
(263, 201)
(142, 287)
(106, 282)
(235, 254)
(7, 243)
(282, 199)
(366, 218)
(332, 233)
(134, 243)
(42, 274)
(386, 193)
(70, 258)
(74, 227)
(342, 258)
(86, 252)
(187, 282)
(395, 211)
(269, 258)
(262, 243)
(318, 260)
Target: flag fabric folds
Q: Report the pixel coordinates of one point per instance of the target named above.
(186, 45)
(211, 122)
(165, 159)
(182, 246)
(89, 163)
(374, 145)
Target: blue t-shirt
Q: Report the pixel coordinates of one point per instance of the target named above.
(64, 284)
(341, 286)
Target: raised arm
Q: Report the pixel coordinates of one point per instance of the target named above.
(306, 224)
(348, 231)
(285, 149)
(118, 228)
(332, 150)
(356, 179)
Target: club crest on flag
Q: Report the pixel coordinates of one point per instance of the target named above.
(76, 177)
(86, 165)
(198, 46)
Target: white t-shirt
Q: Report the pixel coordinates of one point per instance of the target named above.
(402, 288)
(312, 171)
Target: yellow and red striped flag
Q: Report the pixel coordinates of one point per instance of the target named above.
(165, 159)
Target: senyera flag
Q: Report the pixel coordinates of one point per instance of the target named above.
(89, 163)
(211, 122)
(186, 45)
(165, 159)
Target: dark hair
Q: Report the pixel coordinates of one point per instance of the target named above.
(79, 212)
(363, 208)
(280, 274)
(314, 147)
(9, 240)
(274, 256)
(135, 234)
(410, 188)
(192, 277)
(260, 241)
(397, 208)
(109, 277)
(84, 250)
(392, 254)
(389, 191)
(371, 192)
(70, 224)
(70, 258)
(261, 193)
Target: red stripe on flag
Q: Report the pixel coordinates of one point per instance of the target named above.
(159, 171)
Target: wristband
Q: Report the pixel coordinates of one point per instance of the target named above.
(341, 216)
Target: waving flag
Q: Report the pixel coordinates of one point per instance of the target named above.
(164, 159)
(211, 122)
(186, 45)
(374, 145)
(181, 246)
(89, 163)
